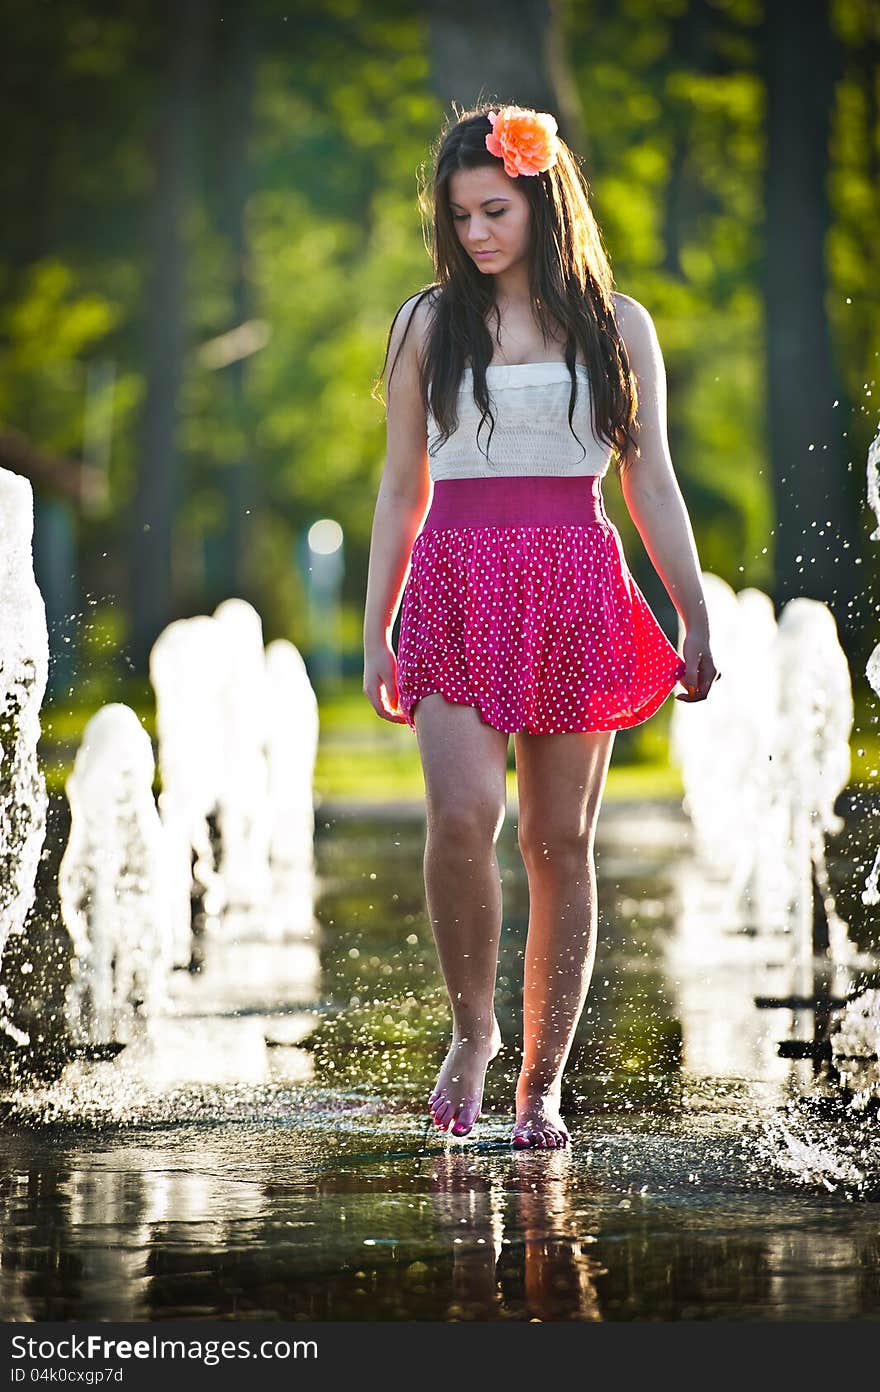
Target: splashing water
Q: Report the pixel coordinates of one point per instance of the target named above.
(245, 825)
(765, 759)
(726, 779)
(871, 894)
(238, 735)
(855, 1041)
(186, 663)
(291, 750)
(874, 482)
(831, 1137)
(794, 1146)
(112, 883)
(855, 1029)
(24, 669)
(814, 762)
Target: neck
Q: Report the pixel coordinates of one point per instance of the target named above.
(512, 287)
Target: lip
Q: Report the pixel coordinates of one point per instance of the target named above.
(482, 255)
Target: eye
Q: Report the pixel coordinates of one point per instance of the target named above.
(460, 217)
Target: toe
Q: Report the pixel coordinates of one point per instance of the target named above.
(467, 1115)
(525, 1137)
(443, 1113)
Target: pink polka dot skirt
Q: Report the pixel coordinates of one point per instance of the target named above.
(532, 619)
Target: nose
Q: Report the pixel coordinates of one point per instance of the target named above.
(478, 235)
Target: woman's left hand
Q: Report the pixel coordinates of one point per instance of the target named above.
(699, 671)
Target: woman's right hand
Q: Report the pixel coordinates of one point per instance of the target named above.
(380, 672)
(700, 670)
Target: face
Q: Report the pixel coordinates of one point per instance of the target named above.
(491, 216)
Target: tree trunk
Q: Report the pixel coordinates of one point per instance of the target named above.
(158, 471)
(240, 477)
(690, 49)
(814, 513)
(509, 51)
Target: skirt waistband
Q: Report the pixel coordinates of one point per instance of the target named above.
(525, 501)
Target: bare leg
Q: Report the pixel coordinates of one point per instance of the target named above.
(561, 779)
(464, 762)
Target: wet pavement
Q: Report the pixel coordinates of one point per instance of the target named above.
(267, 1153)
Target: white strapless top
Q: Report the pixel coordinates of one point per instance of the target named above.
(532, 436)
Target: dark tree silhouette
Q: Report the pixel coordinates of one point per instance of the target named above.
(512, 51)
(814, 512)
(158, 473)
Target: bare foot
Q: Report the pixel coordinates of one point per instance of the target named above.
(538, 1122)
(456, 1100)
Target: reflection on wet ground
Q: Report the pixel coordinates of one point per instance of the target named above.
(267, 1155)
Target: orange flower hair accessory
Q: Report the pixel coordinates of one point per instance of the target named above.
(526, 140)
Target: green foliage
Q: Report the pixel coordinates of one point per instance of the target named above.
(674, 120)
(50, 326)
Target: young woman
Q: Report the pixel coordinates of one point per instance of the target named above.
(516, 378)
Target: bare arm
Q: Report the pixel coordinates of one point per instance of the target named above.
(402, 500)
(654, 499)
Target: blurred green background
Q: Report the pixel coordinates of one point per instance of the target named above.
(211, 218)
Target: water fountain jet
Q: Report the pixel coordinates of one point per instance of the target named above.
(24, 669)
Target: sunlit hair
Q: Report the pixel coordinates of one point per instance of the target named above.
(570, 282)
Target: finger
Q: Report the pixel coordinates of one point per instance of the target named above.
(393, 689)
(394, 719)
(710, 676)
(700, 678)
(393, 705)
(394, 714)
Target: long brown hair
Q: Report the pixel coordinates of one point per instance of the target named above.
(570, 282)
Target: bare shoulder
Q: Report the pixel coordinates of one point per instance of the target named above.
(635, 323)
(639, 334)
(410, 326)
